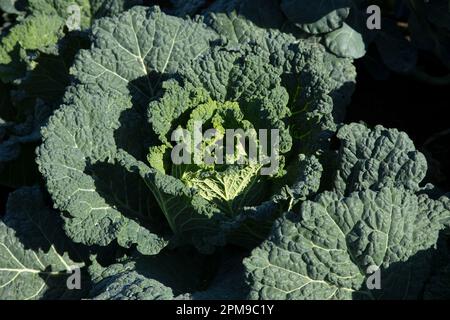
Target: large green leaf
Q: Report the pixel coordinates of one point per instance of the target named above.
(38, 94)
(118, 76)
(319, 16)
(371, 159)
(40, 30)
(11, 6)
(34, 251)
(326, 249)
(160, 277)
(346, 41)
(182, 274)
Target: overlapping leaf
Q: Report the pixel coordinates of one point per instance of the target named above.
(331, 247)
(131, 53)
(376, 220)
(34, 251)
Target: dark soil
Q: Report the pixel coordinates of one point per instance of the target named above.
(418, 108)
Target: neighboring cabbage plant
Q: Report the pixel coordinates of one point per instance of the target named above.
(365, 239)
(36, 52)
(43, 24)
(36, 257)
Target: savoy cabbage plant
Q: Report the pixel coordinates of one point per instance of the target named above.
(146, 92)
(111, 214)
(376, 216)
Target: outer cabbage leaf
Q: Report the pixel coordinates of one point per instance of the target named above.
(188, 215)
(38, 94)
(94, 201)
(41, 29)
(332, 75)
(121, 282)
(337, 23)
(371, 159)
(160, 277)
(325, 250)
(303, 181)
(17, 144)
(319, 16)
(129, 55)
(26, 35)
(346, 41)
(266, 14)
(34, 251)
(61, 9)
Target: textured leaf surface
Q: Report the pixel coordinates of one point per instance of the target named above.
(371, 159)
(44, 26)
(41, 29)
(109, 8)
(255, 222)
(41, 77)
(130, 48)
(47, 80)
(188, 215)
(160, 277)
(34, 260)
(439, 286)
(101, 205)
(346, 42)
(36, 32)
(330, 74)
(38, 93)
(103, 200)
(124, 71)
(324, 250)
(266, 14)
